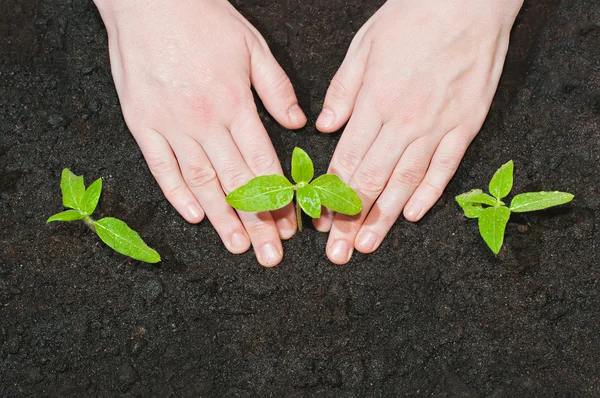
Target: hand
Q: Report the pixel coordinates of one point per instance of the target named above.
(416, 86)
(183, 71)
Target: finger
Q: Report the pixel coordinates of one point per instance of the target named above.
(369, 181)
(233, 173)
(356, 140)
(274, 87)
(165, 169)
(444, 164)
(407, 175)
(344, 89)
(201, 178)
(257, 150)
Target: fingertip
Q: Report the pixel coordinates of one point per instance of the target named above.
(339, 252)
(238, 243)
(193, 213)
(366, 242)
(287, 228)
(297, 117)
(268, 255)
(324, 223)
(326, 122)
(414, 210)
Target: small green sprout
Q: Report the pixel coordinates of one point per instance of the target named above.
(115, 233)
(272, 192)
(493, 219)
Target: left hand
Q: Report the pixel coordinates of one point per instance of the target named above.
(416, 86)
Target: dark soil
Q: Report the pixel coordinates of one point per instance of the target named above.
(431, 313)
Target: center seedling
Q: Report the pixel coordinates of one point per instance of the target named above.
(493, 219)
(272, 192)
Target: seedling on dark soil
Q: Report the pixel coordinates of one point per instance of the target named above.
(272, 192)
(494, 217)
(115, 233)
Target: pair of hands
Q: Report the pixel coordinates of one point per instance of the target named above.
(415, 87)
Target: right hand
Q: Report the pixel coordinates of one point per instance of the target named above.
(183, 70)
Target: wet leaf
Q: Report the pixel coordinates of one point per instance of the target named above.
(475, 196)
(67, 215)
(492, 223)
(116, 234)
(502, 181)
(91, 197)
(336, 195)
(532, 201)
(472, 210)
(72, 188)
(309, 200)
(264, 193)
(302, 166)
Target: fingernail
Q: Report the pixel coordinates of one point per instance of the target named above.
(323, 224)
(193, 212)
(414, 210)
(296, 115)
(340, 251)
(286, 228)
(367, 241)
(239, 242)
(268, 255)
(326, 118)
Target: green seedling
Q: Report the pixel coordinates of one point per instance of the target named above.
(493, 214)
(115, 233)
(272, 192)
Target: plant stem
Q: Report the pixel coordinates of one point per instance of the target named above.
(299, 215)
(90, 223)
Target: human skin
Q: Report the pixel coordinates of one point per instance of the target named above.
(415, 87)
(183, 70)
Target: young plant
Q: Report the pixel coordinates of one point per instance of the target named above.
(272, 192)
(494, 217)
(115, 233)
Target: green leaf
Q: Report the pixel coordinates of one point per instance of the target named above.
(492, 223)
(264, 193)
(472, 210)
(532, 201)
(67, 215)
(475, 196)
(91, 197)
(502, 181)
(309, 200)
(116, 234)
(72, 188)
(336, 195)
(302, 166)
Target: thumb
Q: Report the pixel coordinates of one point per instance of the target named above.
(274, 88)
(343, 90)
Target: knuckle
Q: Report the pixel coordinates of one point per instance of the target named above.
(232, 178)
(159, 165)
(433, 188)
(387, 216)
(337, 89)
(408, 176)
(200, 175)
(346, 162)
(200, 109)
(448, 164)
(262, 162)
(174, 192)
(369, 182)
(281, 82)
